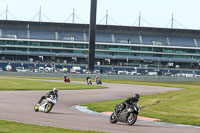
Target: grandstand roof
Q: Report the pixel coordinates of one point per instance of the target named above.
(100, 28)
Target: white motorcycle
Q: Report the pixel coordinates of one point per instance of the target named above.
(46, 105)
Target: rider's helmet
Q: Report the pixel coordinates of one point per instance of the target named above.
(55, 90)
(136, 96)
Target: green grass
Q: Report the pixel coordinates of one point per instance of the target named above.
(50, 78)
(14, 127)
(21, 84)
(181, 107)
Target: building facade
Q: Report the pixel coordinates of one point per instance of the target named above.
(115, 45)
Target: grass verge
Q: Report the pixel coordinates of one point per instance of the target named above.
(21, 84)
(15, 127)
(50, 78)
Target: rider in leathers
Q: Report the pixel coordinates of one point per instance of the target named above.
(53, 92)
(128, 101)
(133, 99)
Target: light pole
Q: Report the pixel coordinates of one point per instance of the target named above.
(92, 35)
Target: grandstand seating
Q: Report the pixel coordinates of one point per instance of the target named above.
(70, 36)
(182, 41)
(103, 37)
(40, 34)
(14, 33)
(100, 37)
(123, 38)
(155, 40)
(198, 42)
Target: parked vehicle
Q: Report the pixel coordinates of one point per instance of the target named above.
(9, 68)
(49, 69)
(75, 69)
(36, 70)
(123, 72)
(152, 73)
(41, 69)
(188, 75)
(46, 105)
(127, 115)
(112, 72)
(21, 69)
(135, 73)
(64, 70)
(196, 75)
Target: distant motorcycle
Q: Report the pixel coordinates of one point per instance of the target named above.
(99, 82)
(89, 82)
(127, 115)
(46, 105)
(67, 79)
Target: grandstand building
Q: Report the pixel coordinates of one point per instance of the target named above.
(115, 45)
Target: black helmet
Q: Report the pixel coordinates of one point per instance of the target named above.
(136, 96)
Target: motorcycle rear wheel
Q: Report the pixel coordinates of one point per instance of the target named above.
(113, 118)
(131, 119)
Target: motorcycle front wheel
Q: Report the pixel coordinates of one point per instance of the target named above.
(36, 108)
(131, 119)
(113, 118)
(48, 107)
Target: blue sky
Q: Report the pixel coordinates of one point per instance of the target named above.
(154, 13)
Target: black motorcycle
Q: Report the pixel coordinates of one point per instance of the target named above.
(127, 115)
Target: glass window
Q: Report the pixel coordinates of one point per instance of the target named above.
(56, 50)
(145, 49)
(157, 49)
(44, 50)
(35, 43)
(79, 45)
(135, 48)
(34, 50)
(124, 48)
(44, 44)
(168, 50)
(2, 42)
(11, 42)
(67, 51)
(68, 45)
(78, 51)
(56, 45)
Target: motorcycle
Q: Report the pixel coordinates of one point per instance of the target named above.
(89, 82)
(127, 115)
(99, 82)
(46, 105)
(67, 79)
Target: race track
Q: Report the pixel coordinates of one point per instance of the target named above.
(18, 106)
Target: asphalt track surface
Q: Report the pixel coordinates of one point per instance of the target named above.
(18, 106)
